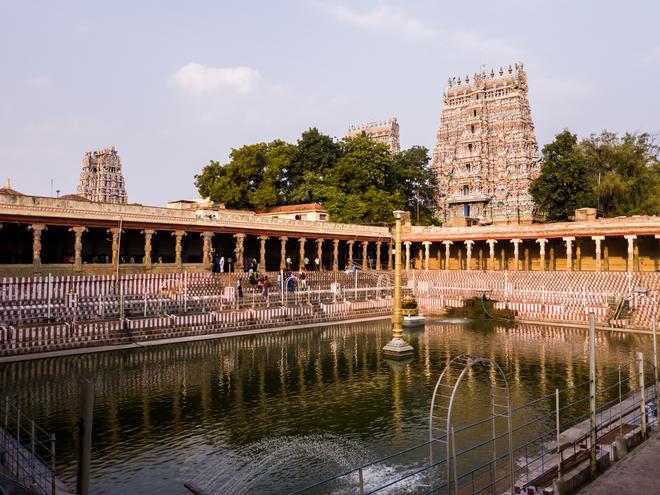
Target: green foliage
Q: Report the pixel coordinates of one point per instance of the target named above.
(357, 180)
(619, 175)
(563, 184)
(624, 172)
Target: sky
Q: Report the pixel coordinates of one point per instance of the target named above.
(173, 85)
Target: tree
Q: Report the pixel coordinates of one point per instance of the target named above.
(357, 180)
(413, 179)
(315, 154)
(624, 173)
(564, 184)
(251, 179)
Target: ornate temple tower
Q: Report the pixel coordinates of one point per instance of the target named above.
(486, 153)
(384, 132)
(101, 178)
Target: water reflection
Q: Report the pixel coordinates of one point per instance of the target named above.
(270, 412)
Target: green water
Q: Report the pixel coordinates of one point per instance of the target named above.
(269, 413)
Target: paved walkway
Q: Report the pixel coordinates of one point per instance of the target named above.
(636, 473)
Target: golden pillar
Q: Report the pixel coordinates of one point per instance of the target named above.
(397, 347)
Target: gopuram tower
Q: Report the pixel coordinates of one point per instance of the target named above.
(486, 154)
(101, 178)
(383, 132)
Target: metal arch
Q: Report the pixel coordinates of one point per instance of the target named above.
(467, 362)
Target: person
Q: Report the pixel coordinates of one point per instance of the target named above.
(317, 263)
(266, 287)
(131, 260)
(160, 260)
(288, 263)
(303, 281)
(222, 264)
(239, 289)
(306, 262)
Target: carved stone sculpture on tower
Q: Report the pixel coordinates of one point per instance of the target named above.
(486, 153)
(383, 132)
(101, 178)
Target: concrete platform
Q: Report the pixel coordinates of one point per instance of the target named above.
(636, 473)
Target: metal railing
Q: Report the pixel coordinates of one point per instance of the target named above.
(28, 452)
(551, 435)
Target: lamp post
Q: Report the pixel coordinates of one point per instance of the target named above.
(397, 347)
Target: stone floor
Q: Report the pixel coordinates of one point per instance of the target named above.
(636, 473)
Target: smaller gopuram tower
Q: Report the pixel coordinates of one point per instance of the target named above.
(384, 132)
(101, 178)
(485, 155)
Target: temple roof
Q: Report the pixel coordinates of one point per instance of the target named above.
(9, 191)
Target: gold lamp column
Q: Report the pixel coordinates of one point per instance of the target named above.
(397, 347)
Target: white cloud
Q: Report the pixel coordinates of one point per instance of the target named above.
(194, 78)
(40, 82)
(384, 18)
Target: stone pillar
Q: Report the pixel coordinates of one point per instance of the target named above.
(319, 252)
(552, 265)
(262, 252)
(481, 259)
(606, 258)
(148, 234)
(207, 256)
(516, 253)
(526, 260)
(350, 252)
(301, 253)
(178, 247)
(37, 229)
(542, 243)
(578, 255)
(283, 240)
(491, 256)
(569, 252)
(335, 255)
(427, 254)
(365, 246)
(407, 244)
(468, 249)
(504, 265)
(378, 246)
(77, 247)
(239, 250)
(389, 256)
(447, 253)
(630, 266)
(115, 245)
(598, 239)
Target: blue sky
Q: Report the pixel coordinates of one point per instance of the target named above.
(175, 84)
